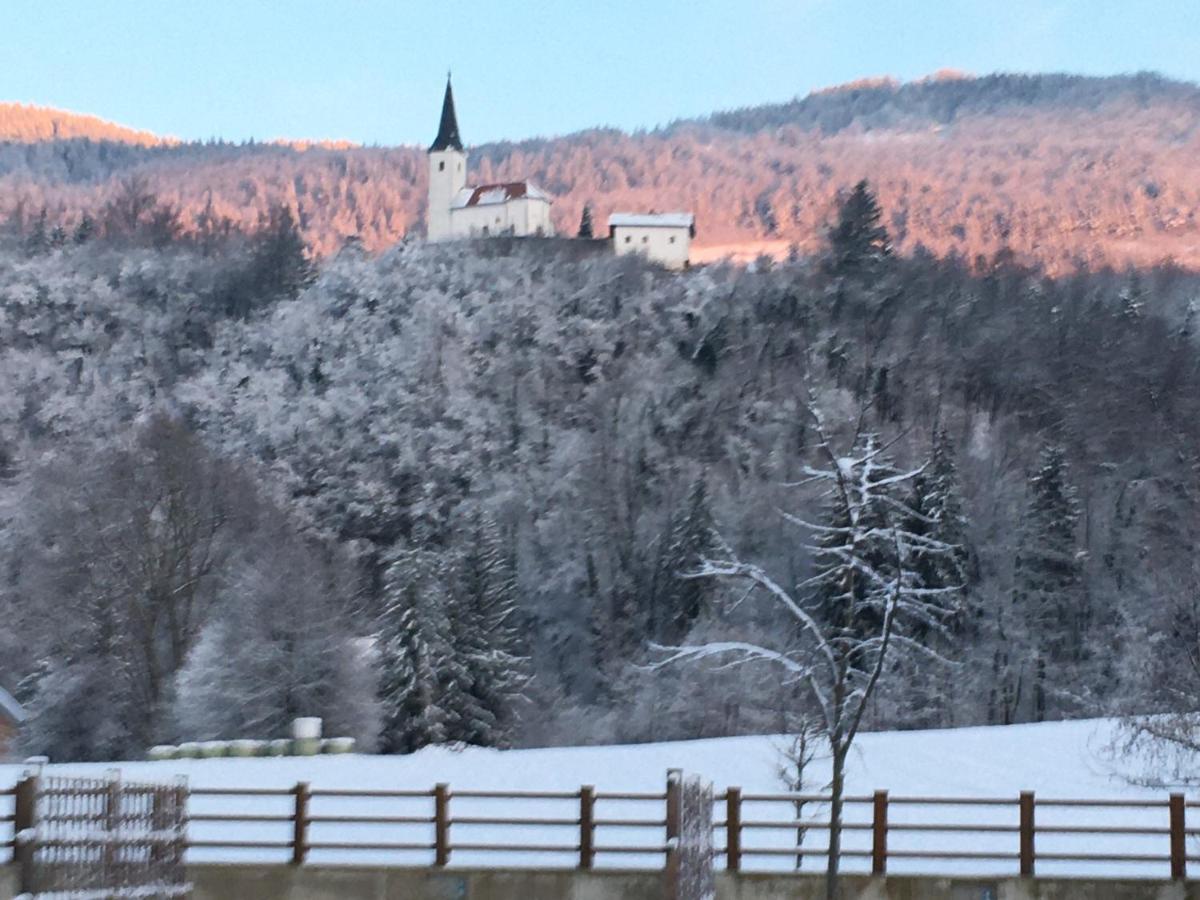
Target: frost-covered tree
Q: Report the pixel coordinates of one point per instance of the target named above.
(677, 601)
(1049, 596)
(282, 645)
(487, 638)
(424, 686)
(126, 546)
(860, 605)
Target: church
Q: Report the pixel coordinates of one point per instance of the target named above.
(459, 210)
(522, 209)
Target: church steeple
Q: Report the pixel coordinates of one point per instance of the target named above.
(447, 136)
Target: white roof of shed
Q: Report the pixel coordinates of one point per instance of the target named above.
(651, 220)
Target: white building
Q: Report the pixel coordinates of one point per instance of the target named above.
(458, 210)
(665, 238)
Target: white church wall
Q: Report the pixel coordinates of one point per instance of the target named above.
(523, 216)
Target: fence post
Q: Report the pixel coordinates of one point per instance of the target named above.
(24, 825)
(441, 825)
(733, 829)
(674, 820)
(112, 825)
(879, 832)
(587, 826)
(1027, 832)
(1178, 838)
(300, 824)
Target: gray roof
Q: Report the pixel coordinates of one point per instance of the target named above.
(10, 708)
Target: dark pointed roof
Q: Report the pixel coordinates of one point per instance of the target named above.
(447, 136)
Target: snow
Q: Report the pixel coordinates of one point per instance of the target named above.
(651, 220)
(1056, 760)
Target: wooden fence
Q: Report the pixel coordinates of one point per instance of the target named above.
(1016, 835)
(98, 837)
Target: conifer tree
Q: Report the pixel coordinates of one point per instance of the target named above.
(677, 600)
(487, 637)
(585, 222)
(1048, 591)
(422, 681)
(85, 230)
(937, 512)
(38, 240)
(858, 243)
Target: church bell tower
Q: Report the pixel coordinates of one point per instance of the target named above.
(447, 171)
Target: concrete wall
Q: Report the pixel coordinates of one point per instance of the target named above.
(273, 882)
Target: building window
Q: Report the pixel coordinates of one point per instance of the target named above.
(672, 239)
(485, 231)
(442, 165)
(645, 238)
(628, 239)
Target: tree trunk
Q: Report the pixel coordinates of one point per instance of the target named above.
(832, 887)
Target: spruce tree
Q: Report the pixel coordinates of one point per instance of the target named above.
(1048, 594)
(859, 242)
(678, 601)
(422, 683)
(937, 512)
(38, 241)
(853, 538)
(585, 222)
(487, 637)
(85, 230)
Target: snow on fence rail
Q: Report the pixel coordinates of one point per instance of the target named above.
(1024, 834)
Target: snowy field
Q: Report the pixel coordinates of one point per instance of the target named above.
(1056, 760)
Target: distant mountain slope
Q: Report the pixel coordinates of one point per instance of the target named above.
(1057, 168)
(29, 124)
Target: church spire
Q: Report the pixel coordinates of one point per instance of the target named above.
(447, 136)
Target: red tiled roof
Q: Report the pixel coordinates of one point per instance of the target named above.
(499, 193)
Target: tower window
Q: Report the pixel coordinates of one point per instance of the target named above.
(442, 165)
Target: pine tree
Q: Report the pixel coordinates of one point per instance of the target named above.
(280, 264)
(858, 243)
(38, 241)
(937, 512)
(585, 222)
(422, 682)
(85, 230)
(487, 637)
(677, 601)
(854, 536)
(1048, 594)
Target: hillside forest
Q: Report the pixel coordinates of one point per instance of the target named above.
(451, 493)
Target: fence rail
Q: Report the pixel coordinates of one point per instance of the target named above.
(1023, 834)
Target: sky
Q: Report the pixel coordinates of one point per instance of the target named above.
(373, 71)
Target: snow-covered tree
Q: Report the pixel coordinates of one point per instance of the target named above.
(424, 686)
(858, 607)
(487, 636)
(677, 601)
(1049, 596)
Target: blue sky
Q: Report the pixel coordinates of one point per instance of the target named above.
(372, 70)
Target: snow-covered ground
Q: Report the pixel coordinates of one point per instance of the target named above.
(1056, 760)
